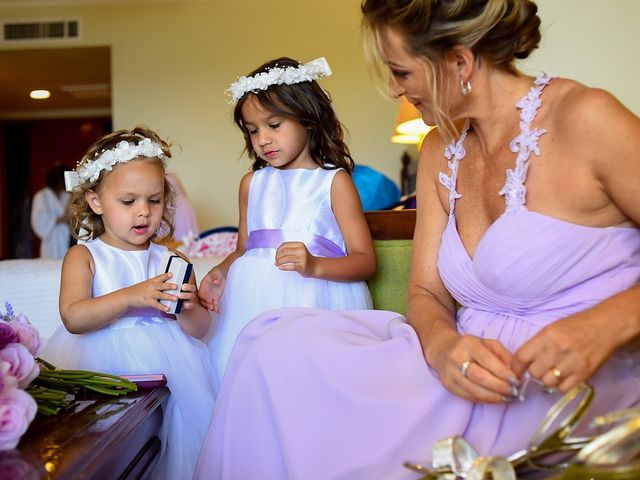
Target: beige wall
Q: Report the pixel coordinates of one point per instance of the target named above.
(172, 62)
(594, 42)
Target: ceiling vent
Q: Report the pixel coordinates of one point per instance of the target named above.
(18, 31)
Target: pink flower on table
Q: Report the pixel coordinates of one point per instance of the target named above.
(21, 364)
(8, 334)
(17, 410)
(27, 334)
(7, 381)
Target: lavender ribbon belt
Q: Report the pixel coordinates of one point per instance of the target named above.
(141, 316)
(273, 238)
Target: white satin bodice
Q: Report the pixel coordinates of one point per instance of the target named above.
(296, 201)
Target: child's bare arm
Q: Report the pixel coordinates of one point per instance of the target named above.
(360, 262)
(213, 283)
(82, 313)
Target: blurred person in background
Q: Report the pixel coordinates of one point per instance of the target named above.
(49, 217)
(185, 221)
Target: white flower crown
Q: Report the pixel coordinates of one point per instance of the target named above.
(123, 152)
(306, 72)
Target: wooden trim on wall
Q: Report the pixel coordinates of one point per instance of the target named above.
(391, 224)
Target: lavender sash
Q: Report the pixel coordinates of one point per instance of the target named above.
(273, 238)
(137, 317)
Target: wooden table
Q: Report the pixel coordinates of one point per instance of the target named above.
(101, 437)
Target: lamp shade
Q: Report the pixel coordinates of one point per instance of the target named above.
(409, 127)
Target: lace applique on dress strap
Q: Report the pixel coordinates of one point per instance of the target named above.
(526, 142)
(454, 153)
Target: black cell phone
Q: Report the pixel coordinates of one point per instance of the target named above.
(152, 380)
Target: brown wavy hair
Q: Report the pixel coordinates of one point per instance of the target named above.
(497, 32)
(82, 217)
(311, 106)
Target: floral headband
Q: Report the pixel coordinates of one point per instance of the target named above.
(123, 152)
(305, 72)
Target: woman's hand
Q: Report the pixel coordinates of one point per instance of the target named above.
(568, 351)
(474, 368)
(211, 289)
(294, 256)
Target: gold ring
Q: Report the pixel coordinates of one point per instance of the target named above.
(464, 368)
(555, 371)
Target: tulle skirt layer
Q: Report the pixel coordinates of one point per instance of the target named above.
(140, 346)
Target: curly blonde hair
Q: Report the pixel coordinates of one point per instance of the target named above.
(497, 32)
(83, 219)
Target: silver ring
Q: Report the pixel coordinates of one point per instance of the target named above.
(464, 368)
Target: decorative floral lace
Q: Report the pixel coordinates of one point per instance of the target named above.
(526, 142)
(523, 144)
(454, 153)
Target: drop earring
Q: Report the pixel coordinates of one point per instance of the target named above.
(465, 88)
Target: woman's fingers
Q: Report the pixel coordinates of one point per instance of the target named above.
(561, 372)
(481, 377)
(472, 382)
(478, 393)
(479, 370)
(499, 363)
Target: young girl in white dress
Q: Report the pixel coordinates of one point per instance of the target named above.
(302, 239)
(111, 286)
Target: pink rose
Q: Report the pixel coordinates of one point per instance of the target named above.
(22, 365)
(17, 410)
(28, 335)
(8, 334)
(7, 381)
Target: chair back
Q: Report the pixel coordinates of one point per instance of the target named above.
(392, 232)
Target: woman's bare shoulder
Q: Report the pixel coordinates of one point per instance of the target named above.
(432, 158)
(579, 110)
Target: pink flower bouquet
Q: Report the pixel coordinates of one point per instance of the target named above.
(29, 385)
(19, 343)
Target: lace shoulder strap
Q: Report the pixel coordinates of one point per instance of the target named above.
(454, 153)
(526, 142)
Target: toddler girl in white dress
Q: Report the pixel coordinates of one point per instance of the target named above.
(111, 286)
